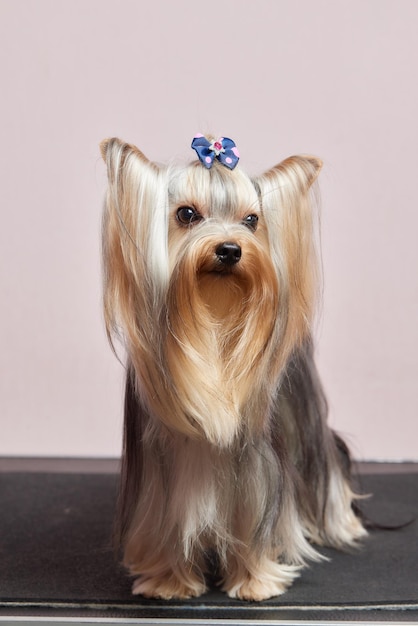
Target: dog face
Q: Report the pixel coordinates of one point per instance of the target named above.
(213, 277)
(218, 250)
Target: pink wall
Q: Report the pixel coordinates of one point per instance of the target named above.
(337, 78)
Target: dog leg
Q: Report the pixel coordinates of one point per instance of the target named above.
(342, 527)
(159, 578)
(257, 578)
(320, 456)
(168, 585)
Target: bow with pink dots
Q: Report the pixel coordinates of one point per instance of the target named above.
(223, 149)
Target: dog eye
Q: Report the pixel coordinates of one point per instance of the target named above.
(187, 215)
(251, 221)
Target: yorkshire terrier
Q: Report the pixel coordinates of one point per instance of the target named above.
(212, 278)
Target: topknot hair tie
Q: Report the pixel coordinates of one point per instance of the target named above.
(223, 149)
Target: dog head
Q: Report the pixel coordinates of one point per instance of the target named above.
(212, 275)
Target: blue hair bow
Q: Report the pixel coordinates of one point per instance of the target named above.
(223, 149)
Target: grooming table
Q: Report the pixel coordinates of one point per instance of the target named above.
(57, 563)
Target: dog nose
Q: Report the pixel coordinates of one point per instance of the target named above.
(228, 253)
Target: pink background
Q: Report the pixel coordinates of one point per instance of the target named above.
(337, 78)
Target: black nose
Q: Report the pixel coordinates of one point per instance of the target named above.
(228, 253)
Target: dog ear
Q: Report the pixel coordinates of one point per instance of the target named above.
(290, 211)
(133, 200)
(298, 171)
(117, 154)
(104, 146)
(134, 224)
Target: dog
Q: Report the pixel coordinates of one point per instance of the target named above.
(211, 279)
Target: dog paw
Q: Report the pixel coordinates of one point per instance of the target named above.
(264, 584)
(167, 587)
(347, 532)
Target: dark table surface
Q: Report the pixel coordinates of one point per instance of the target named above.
(57, 560)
